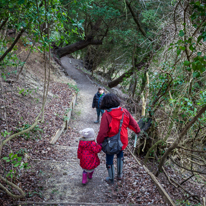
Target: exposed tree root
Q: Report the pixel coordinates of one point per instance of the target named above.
(14, 186)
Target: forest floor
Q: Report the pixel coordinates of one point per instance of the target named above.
(55, 175)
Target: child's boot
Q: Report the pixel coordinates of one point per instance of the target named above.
(110, 178)
(96, 122)
(119, 168)
(84, 178)
(90, 175)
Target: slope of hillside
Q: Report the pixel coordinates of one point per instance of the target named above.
(21, 101)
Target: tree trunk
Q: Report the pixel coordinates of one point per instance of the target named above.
(146, 95)
(144, 78)
(121, 78)
(3, 23)
(134, 87)
(12, 46)
(127, 74)
(76, 46)
(137, 21)
(89, 59)
(106, 75)
(17, 78)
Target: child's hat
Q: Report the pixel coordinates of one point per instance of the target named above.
(88, 134)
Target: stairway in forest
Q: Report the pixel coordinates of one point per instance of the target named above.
(62, 179)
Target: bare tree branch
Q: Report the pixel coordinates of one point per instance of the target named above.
(12, 46)
(181, 135)
(137, 21)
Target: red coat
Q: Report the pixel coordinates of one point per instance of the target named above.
(87, 153)
(110, 125)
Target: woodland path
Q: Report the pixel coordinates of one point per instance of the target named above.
(63, 178)
(64, 185)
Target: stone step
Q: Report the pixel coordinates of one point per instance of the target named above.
(67, 203)
(61, 175)
(71, 151)
(74, 191)
(62, 181)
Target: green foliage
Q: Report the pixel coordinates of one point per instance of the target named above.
(32, 193)
(67, 110)
(186, 203)
(202, 101)
(198, 64)
(65, 117)
(27, 135)
(22, 151)
(149, 15)
(187, 108)
(25, 92)
(17, 162)
(151, 154)
(5, 133)
(73, 87)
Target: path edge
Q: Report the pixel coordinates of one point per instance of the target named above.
(161, 190)
(68, 117)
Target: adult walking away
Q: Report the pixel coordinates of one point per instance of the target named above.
(109, 127)
(97, 102)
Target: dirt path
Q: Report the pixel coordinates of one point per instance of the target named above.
(85, 115)
(62, 179)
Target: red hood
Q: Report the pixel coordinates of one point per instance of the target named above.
(116, 113)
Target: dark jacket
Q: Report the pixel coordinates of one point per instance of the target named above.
(110, 125)
(97, 100)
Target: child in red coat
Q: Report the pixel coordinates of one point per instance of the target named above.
(87, 153)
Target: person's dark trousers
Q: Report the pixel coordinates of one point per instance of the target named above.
(99, 111)
(109, 158)
(110, 166)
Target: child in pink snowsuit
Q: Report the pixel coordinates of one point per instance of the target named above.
(87, 153)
